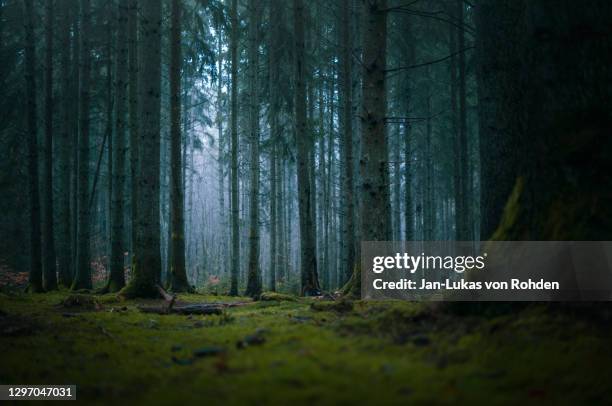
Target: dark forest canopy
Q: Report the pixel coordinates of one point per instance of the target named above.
(243, 146)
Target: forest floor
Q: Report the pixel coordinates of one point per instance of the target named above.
(294, 352)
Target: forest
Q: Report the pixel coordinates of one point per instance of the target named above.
(179, 176)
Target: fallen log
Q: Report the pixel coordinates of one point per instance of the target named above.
(203, 309)
(173, 307)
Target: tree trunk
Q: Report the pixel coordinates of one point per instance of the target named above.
(82, 278)
(346, 88)
(235, 249)
(64, 250)
(274, 72)
(116, 279)
(463, 192)
(498, 101)
(308, 262)
(48, 245)
(563, 179)
(374, 164)
(223, 253)
(179, 281)
(35, 278)
(133, 118)
(253, 288)
(147, 266)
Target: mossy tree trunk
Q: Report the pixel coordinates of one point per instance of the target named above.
(499, 104)
(562, 185)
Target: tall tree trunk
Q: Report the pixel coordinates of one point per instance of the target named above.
(274, 38)
(110, 178)
(147, 266)
(308, 262)
(35, 278)
(374, 163)
(133, 118)
(74, 128)
(463, 196)
(253, 274)
(48, 245)
(179, 281)
(346, 77)
(563, 179)
(64, 250)
(223, 254)
(116, 279)
(82, 278)
(235, 251)
(498, 101)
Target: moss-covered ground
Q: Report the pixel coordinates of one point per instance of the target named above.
(290, 352)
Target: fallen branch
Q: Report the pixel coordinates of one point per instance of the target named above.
(204, 309)
(172, 307)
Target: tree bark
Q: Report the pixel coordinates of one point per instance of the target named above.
(346, 77)
(253, 288)
(498, 104)
(48, 244)
(64, 249)
(235, 249)
(117, 274)
(179, 281)
(374, 163)
(35, 277)
(308, 262)
(133, 118)
(82, 279)
(146, 271)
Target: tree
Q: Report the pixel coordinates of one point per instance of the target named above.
(462, 193)
(308, 257)
(274, 57)
(48, 246)
(179, 281)
(35, 279)
(235, 231)
(133, 117)
(565, 122)
(66, 146)
(82, 277)
(253, 273)
(499, 99)
(146, 272)
(117, 274)
(346, 75)
(374, 162)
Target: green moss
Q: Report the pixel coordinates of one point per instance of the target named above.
(507, 228)
(274, 296)
(405, 352)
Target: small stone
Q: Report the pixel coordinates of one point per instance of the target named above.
(208, 351)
